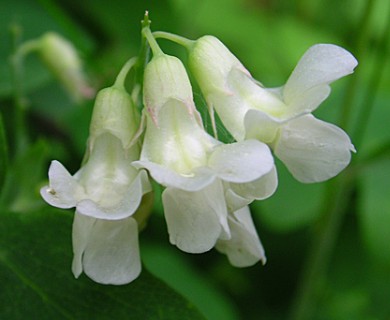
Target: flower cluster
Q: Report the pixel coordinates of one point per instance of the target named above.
(207, 184)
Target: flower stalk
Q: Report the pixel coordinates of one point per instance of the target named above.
(187, 43)
(19, 99)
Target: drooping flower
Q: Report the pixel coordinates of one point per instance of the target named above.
(244, 247)
(311, 149)
(106, 191)
(201, 175)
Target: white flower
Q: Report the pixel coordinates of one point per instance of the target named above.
(311, 149)
(106, 191)
(196, 169)
(244, 248)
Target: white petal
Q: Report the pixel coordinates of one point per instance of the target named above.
(259, 189)
(261, 126)
(62, 189)
(195, 220)
(108, 173)
(123, 209)
(313, 150)
(231, 109)
(112, 253)
(178, 142)
(234, 201)
(319, 66)
(244, 94)
(244, 249)
(194, 181)
(242, 161)
(82, 227)
(306, 102)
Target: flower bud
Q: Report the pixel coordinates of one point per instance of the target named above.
(114, 112)
(62, 59)
(165, 79)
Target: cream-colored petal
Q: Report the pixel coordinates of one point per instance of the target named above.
(259, 189)
(306, 102)
(244, 249)
(313, 150)
(63, 189)
(259, 125)
(126, 207)
(234, 201)
(194, 181)
(319, 66)
(111, 255)
(242, 161)
(82, 227)
(195, 220)
(177, 141)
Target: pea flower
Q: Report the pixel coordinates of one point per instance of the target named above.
(106, 191)
(202, 176)
(244, 247)
(312, 150)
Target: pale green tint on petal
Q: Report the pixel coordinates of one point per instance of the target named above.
(63, 190)
(319, 66)
(195, 220)
(234, 201)
(254, 96)
(313, 150)
(261, 126)
(111, 255)
(108, 172)
(243, 95)
(178, 141)
(194, 181)
(210, 62)
(231, 110)
(307, 102)
(260, 189)
(165, 78)
(82, 227)
(114, 112)
(242, 161)
(124, 208)
(244, 249)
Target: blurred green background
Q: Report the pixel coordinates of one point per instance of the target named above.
(328, 245)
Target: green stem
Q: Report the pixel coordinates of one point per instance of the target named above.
(371, 93)
(152, 42)
(338, 194)
(187, 43)
(339, 191)
(121, 78)
(360, 46)
(20, 105)
(3, 153)
(377, 154)
(143, 59)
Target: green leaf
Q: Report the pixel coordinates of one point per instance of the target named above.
(375, 209)
(36, 281)
(170, 264)
(24, 176)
